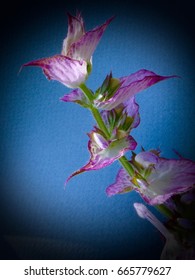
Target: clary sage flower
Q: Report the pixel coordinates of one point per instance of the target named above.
(119, 123)
(126, 88)
(156, 178)
(114, 92)
(73, 65)
(104, 152)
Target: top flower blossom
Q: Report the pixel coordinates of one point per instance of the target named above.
(127, 87)
(73, 65)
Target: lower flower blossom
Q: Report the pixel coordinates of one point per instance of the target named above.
(104, 152)
(156, 178)
(119, 123)
(173, 248)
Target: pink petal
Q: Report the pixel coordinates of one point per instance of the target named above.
(76, 96)
(75, 32)
(169, 177)
(145, 159)
(130, 86)
(144, 213)
(63, 69)
(86, 45)
(132, 109)
(103, 155)
(121, 185)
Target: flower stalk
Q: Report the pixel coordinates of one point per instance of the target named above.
(126, 165)
(97, 116)
(87, 92)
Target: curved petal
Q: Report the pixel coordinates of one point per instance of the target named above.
(131, 85)
(86, 45)
(63, 69)
(132, 109)
(75, 32)
(104, 153)
(144, 213)
(121, 185)
(169, 177)
(76, 96)
(145, 159)
(166, 178)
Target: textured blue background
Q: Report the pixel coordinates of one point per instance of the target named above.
(43, 140)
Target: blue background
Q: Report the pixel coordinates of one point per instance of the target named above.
(44, 140)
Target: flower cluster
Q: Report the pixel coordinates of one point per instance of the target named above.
(166, 184)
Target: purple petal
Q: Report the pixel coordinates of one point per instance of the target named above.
(121, 185)
(76, 96)
(104, 154)
(132, 109)
(63, 69)
(130, 86)
(100, 141)
(75, 32)
(168, 178)
(86, 45)
(145, 159)
(144, 213)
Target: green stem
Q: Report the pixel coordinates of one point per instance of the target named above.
(87, 92)
(126, 165)
(97, 116)
(100, 122)
(164, 210)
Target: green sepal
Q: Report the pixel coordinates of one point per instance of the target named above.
(126, 190)
(108, 88)
(114, 84)
(89, 68)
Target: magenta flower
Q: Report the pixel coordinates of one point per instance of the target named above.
(127, 87)
(156, 178)
(104, 152)
(119, 123)
(114, 92)
(73, 65)
(123, 117)
(79, 44)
